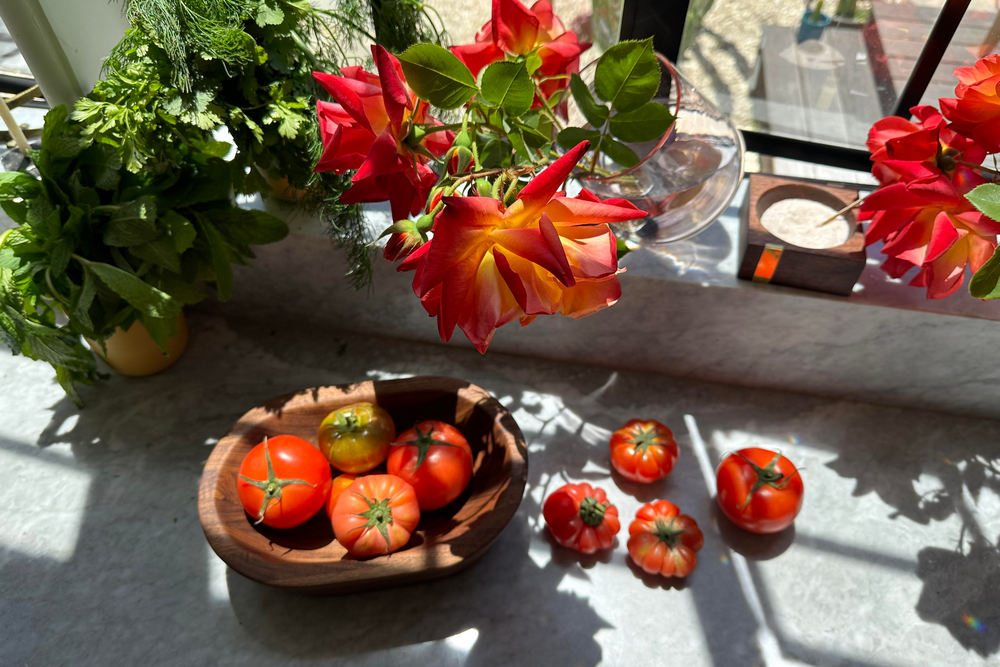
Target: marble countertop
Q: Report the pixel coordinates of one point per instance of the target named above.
(894, 559)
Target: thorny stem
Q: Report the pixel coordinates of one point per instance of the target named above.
(980, 167)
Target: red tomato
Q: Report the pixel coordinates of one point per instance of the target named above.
(580, 517)
(283, 481)
(356, 438)
(663, 541)
(375, 515)
(643, 450)
(436, 459)
(340, 482)
(759, 490)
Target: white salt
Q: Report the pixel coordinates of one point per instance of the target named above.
(799, 221)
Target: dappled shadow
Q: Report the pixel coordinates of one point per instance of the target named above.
(145, 441)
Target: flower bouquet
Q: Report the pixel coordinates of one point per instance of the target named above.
(937, 207)
(472, 147)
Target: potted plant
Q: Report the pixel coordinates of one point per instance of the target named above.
(99, 247)
(245, 67)
(813, 22)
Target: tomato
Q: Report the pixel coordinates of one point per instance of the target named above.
(340, 482)
(643, 450)
(661, 540)
(580, 517)
(375, 515)
(435, 458)
(759, 490)
(283, 481)
(356, 438)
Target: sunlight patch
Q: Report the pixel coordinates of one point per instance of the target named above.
(57, 495)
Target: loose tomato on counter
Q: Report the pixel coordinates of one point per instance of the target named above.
(580, 517)
(283, 481)
(356, 437)
(435, 458)
(643, 450)
(340, 482)
(375, 515)
(759, 490)
(664, 541)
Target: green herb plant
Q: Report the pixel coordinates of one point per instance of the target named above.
(245, 66)
(99, 246)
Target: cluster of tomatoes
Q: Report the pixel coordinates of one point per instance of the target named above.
(285, 480)
(757, 489)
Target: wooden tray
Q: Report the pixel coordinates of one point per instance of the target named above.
(308, 558)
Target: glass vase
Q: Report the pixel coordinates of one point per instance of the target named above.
(684, 180)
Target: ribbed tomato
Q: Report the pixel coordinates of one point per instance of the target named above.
(375, 515)
(664, 541)
(643, 450)
(580, 517)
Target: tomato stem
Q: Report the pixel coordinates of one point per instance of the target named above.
(272, 486)
(667, 532)
(379, 516)
(423, 443)
(644, 438)
(766, 476)
(591, 511)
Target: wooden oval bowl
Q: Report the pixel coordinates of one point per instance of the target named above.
(309, 558)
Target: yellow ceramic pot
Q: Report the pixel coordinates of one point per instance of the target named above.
(133, 352)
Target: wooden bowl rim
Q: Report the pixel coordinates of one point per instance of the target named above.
(259, 566)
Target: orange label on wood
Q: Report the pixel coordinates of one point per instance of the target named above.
(768, 263)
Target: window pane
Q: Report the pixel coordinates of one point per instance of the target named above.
(902, 30)
(823, 76)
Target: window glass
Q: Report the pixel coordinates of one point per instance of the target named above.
(822, 71)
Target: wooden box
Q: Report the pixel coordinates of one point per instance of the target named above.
(767, 258)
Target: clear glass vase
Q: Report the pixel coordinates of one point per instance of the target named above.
(687, 178)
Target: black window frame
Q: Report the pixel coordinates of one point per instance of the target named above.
(664, 22)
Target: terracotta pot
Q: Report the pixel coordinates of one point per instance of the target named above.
(133, 352)
(284, 191)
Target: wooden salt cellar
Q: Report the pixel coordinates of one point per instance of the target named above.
(767, 258)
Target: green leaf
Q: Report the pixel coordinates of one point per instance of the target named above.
(267, 15)
(985, 283)
(532, 137)
(43, 218)
(59, 138)
(248, 227)
(216, 149)
(18, 184)
(180, 229)
(595, 113)
(628, 74)
(82, 299)
(622, 248)
(436, 75)
(133, 223)
(532, 62)
(520, 145)
(508, 86)
(160, 329)
(219, 253)
(160, 252)
(571, 136)
(134, 290)
(645, 123)
(619, 152)
(986, 198)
